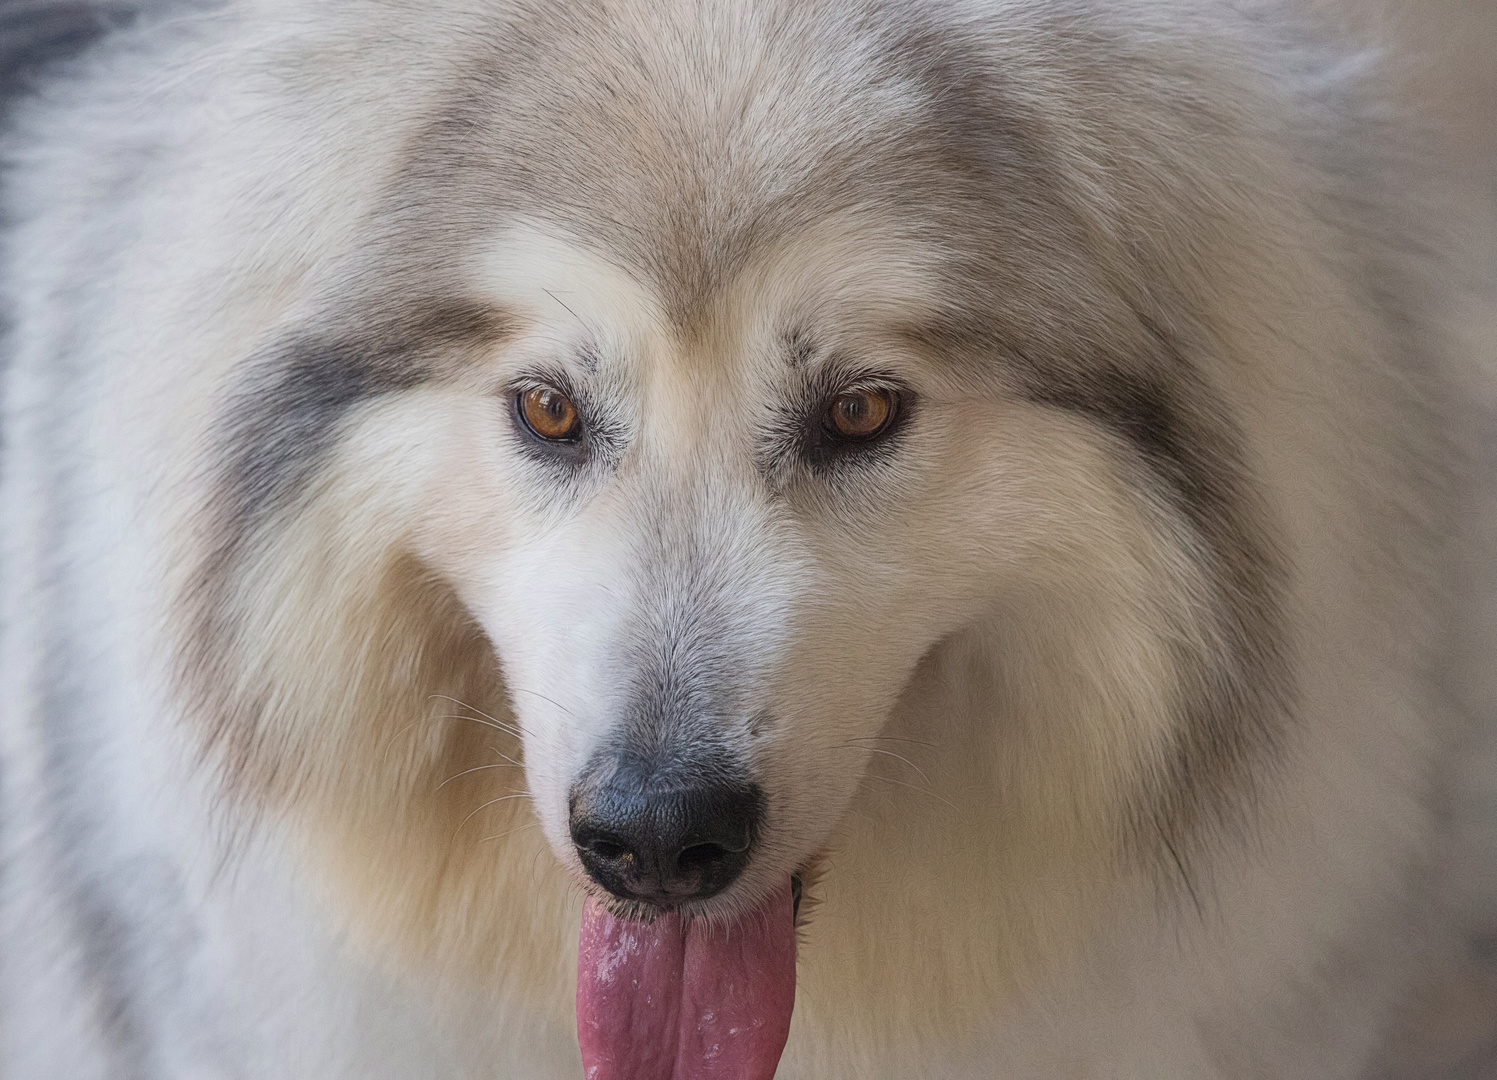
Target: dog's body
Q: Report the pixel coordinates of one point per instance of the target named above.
(1105, 700)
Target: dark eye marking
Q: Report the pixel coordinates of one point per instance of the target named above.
(842, 421)
(852, 419)
(559, 424)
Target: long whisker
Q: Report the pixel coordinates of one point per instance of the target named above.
(506, 757)
(913, 787)
(497, 726)
(484, 806)
(543, 697)
(887, 753)
(455, 716)
(474, 769)
(413, 723)
(385, 756)
(510, 832)
(483, 718)
(568, 310)
(515, 729)
(890, 738)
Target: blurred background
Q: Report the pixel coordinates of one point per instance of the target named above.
(1442, 56)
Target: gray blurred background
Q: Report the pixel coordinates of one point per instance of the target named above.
(1444, 55)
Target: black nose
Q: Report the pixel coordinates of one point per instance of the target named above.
(663, 839)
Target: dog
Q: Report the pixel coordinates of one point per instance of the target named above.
(728, 538)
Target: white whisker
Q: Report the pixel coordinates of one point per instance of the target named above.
(891, 738)
(484, 806)
(886, 753)
(513, 729)
(543, 697)
(474, 769)
(913, 787)
(510, 832)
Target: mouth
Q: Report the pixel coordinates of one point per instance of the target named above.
(669, 995)
(628, 909)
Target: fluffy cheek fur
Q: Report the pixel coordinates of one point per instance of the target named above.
(362, 714)
(1063, 605)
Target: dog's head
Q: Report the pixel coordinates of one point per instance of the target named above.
(737, 415)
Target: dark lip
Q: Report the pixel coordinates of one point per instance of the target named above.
(642, 911)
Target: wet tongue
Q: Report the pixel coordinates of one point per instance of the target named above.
(669, 1000)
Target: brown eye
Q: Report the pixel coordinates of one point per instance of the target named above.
(549, 413)
(862, 413)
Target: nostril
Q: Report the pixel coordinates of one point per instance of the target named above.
(607, 849)
(700, 857)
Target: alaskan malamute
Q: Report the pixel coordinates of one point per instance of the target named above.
(867, 538)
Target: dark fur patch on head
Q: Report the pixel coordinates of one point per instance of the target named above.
(283, 412)
(684, 175)
(1091, 346)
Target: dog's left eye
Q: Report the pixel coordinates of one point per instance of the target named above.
(549, 414)
(862, 413)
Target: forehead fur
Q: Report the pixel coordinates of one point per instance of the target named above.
(682, 139)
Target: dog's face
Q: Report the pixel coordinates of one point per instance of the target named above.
(709, 557)
(673, 420)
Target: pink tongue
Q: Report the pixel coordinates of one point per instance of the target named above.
(667, 1001)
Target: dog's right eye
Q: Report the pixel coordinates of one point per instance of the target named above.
(548, 414)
